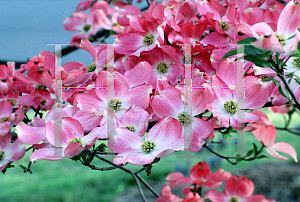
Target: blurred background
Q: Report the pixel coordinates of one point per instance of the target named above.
(26, 26)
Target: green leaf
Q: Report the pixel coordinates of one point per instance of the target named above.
(258, 61)
(247, 40)
(24, 168)
(249, 152)
(280, 89)
(156, 160)
(111, 32)
(229, 53)
(255, 149)
(252, 50)
(225, 136)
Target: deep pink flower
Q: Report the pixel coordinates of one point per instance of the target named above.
(236, 189)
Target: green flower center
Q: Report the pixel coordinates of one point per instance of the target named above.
(86, 28)
(148, 146)
(234, 199)
(43, 102)
(280, 38)
(223, 25)
(162, 68)
(114, 104)
(184, 118)
(1, 155)
(13, 101)
(91, 67)
(231, 106)
(4, 118)
(266, 78)
(76, 139)
(148, 40)
(131, 128)
(40, 87)
(296, 62)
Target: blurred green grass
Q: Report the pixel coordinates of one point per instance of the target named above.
(67, 180)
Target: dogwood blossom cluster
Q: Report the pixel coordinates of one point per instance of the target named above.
(149, 81)
(237, 188)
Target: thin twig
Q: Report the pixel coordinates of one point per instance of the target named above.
(139, 186)
(296, 104)
(147, 185)
(289, 130)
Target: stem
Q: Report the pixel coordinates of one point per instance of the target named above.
(296, 104)
(139, 187)
(147, 185)
(289, 130)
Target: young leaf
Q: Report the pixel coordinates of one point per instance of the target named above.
(247, 40)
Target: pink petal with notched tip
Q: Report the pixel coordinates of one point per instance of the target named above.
(4, 128)
(285, 148)
(73, 149)
(270, 43)
(292, 44)
(4, 141)
(200, 130)
(247, 30)
(88, 46)
(136, 117)
(200, 98)
(227, 71)
(126, 140)
(5, 108)
(135, 22)
(168, 103)
(50, 154)
(128, 9)
(275, 154)
(166, 131)
(256, 93)
(140, 74)
(265, 134)
(215, 39)
(253, 15)
(30, 135)
(99, 132)
(60, 136)
(88, 117)
(138, 96)
(75, 22)
(272, 14)
(221, 90)
(129, 42)
(83, 5)
(137, 157)
(87, 100)
(215, 195)
(239, 186)
(177, 179)
(15, 151)
(288, 21)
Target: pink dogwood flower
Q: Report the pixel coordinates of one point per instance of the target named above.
(169, 103)
(237, 188)
(265, 132)
(281, 41)
(163, 139)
